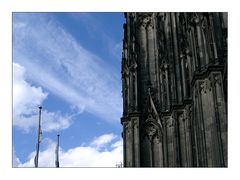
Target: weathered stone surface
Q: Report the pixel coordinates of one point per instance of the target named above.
(174, 74)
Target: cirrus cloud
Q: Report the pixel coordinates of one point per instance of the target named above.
(63, 66)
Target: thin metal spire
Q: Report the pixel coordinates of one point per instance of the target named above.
(39, 138)
(57, 152)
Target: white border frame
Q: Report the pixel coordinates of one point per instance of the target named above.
(9, 6)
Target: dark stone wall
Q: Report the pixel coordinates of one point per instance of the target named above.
(174, 86)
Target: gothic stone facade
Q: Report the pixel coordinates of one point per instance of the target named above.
(174, 86)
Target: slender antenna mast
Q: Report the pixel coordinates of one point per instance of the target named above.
(57, 152)
(39, 138)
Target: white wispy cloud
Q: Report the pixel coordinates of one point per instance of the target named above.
(103, 140)
(56, 61)
(51, 121)
(82, 156)
(26, 99)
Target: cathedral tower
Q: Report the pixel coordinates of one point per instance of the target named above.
(174, 86)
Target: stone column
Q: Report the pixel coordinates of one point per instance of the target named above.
(202, 147)
(136, 143)
(131, 84)
(143, 43)
(136, 90)
(218, 36)
(165, 142)
(170, 140)
(188, 138)
(176, 58)
(221, 117)
(182, 137)
(183, 73)
(204, 32)
(157, 151)
(161, 88)
(146, 152)
(209, 124)
(213, 41)
(199, 128)
(151, 51)
(127, 91)
(199, 41)
(193, 45)
(167, 87)
(128, 139)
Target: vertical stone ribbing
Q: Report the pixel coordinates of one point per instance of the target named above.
(136, 142)
(182, 137)
(221, 119)
(176, 57)
(174, 78)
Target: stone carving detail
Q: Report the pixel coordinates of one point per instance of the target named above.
(195, 18)
(145, 20)
(157, 139)
(204, 86)
(151, 128)
(133, 67)
(163, 120)
(135, 123)
(217, 80)
(181, 118)
(170, 122)
(127, 128)
(151, 131)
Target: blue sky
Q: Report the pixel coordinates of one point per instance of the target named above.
(70, 64)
